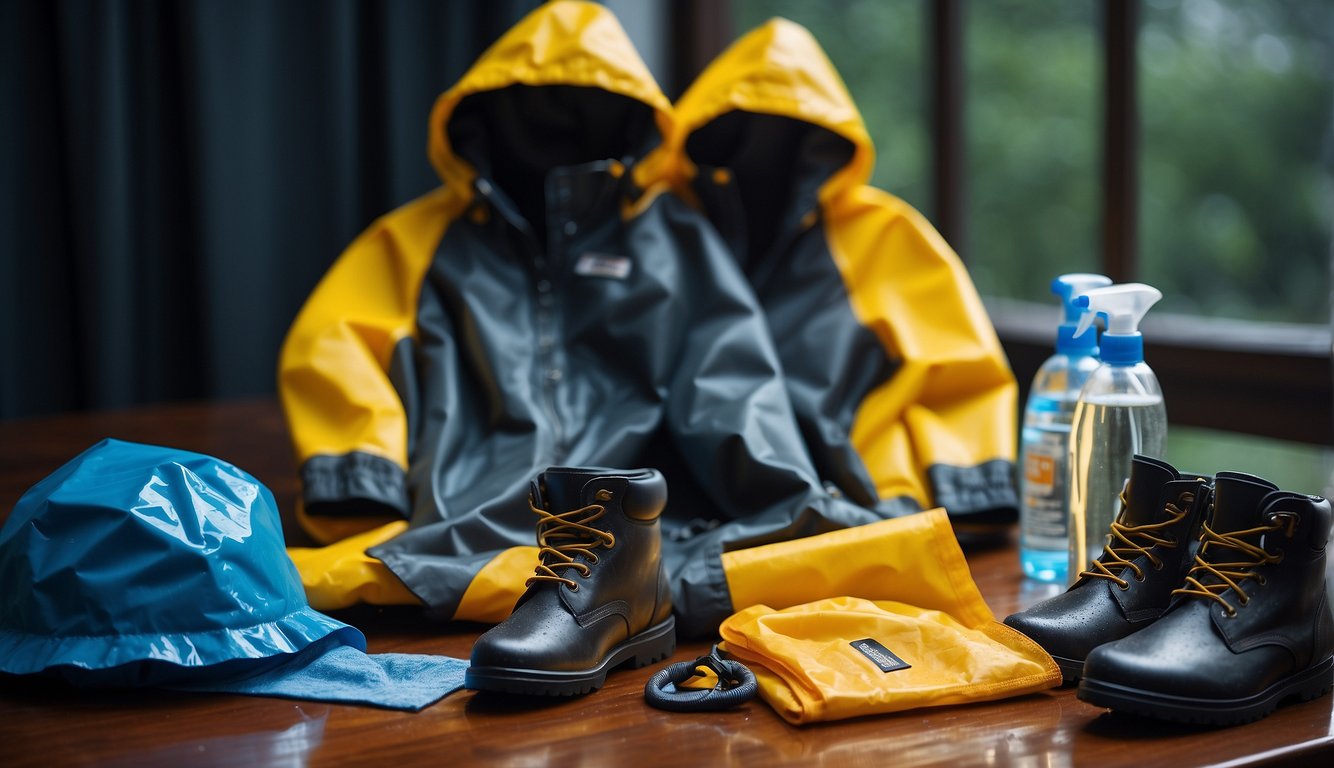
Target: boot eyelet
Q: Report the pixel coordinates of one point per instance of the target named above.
(573, 587)
(1158, 566)
(1261, 580)
(1123, 586)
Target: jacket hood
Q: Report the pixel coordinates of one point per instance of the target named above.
(776, 69)
(564, 86)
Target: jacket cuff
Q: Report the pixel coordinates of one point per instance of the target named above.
(984, 494)
(353, 485)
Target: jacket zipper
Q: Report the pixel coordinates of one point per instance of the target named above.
(547, 268)
(545, 319)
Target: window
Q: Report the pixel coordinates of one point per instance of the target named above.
(1236, 97)
(1183, 143)
(1031, 122)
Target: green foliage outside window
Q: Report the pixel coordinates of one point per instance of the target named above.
(1236, 177)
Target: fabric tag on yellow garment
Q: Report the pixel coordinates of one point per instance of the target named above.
(879, 655)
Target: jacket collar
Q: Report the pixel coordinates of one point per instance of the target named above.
(574, 195)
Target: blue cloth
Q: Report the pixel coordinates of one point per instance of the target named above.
(344, 675)
(136, 565)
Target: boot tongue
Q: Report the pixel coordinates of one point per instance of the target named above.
(1237, 498)
(565, 487)
(1144, 503)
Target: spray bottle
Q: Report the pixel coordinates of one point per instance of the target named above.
(1119, 413)
(1044, 542)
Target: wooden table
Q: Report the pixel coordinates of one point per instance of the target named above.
(48, 726)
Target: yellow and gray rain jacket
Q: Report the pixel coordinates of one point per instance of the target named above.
(550, 305)
(901, 388)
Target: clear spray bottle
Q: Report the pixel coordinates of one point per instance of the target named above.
(1120, 413)
(1044, 445)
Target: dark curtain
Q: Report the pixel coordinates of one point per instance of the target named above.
(178, 175)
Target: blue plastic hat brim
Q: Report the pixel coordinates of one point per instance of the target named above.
(174, 654)
(326, 670)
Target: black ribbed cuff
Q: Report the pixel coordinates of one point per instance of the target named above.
(983, 494)
(353, 485)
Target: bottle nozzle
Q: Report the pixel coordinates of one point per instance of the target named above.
(1085, 319)
(1123, 306)
(1068, 287)
(1071, 286)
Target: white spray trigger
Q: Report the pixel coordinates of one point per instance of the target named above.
(1086, 318)
(1123, 305)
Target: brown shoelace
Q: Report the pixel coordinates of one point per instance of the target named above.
(561, 537)
(1230, 575)
(1128, 542)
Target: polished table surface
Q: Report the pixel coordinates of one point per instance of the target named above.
(45, 725)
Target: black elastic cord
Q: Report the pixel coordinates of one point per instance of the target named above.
(736, 685)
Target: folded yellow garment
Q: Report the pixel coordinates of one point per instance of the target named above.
(847, 657)
(900, 624)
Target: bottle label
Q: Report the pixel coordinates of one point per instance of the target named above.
(1040, 471)
(1045, 521)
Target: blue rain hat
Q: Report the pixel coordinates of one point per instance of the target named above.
(141, 565)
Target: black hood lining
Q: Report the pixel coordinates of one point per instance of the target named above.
(515, 136)
(778, 163)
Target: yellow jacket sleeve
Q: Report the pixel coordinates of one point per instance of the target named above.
(346, 414)
(951, 404)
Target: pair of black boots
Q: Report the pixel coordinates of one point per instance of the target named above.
(599, 598)
(1208, 604)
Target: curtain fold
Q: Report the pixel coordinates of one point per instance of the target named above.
(178, 175)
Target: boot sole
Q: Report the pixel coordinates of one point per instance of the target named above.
(1071, 669)
(1310, 683)
(653, 644)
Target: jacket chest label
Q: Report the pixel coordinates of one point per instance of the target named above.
(603, 265)
(879, 655)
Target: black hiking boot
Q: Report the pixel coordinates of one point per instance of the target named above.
(1130, 585)
(1249, 627)
(599, 598)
